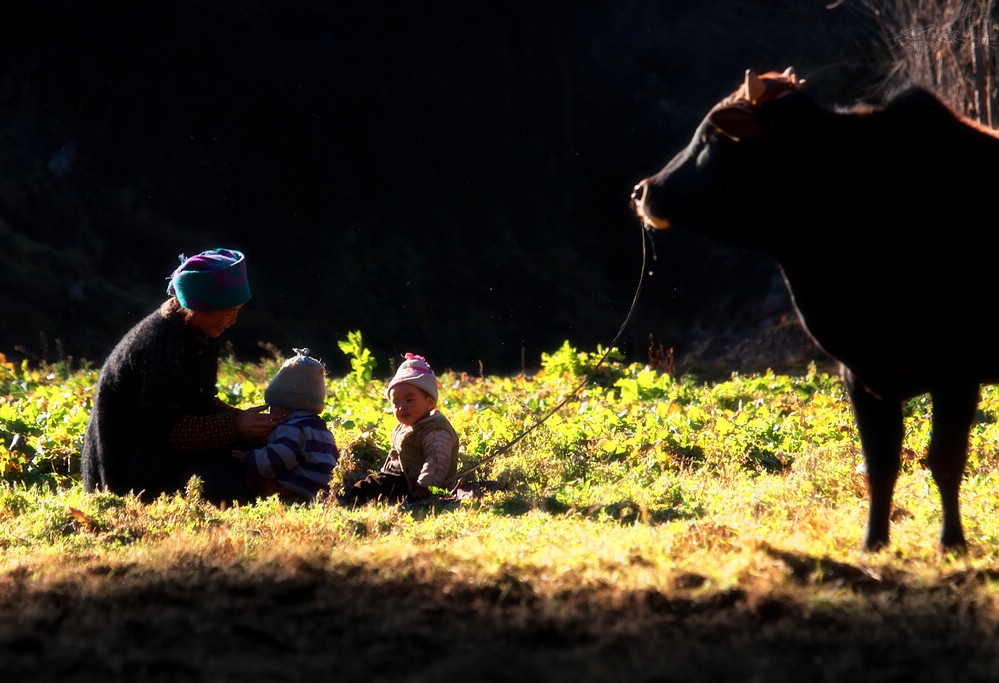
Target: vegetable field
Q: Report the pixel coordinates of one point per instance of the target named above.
(657, 527)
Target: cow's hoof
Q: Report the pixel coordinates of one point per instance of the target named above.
(956, 547)
(874, 544)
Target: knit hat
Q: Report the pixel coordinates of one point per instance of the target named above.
(300, 384)
(211, 281)
(414, 370)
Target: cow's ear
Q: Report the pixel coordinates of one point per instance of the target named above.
(737, 123)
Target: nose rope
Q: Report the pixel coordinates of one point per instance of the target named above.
(646, 237)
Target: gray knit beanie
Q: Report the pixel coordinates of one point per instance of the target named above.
(300, 384)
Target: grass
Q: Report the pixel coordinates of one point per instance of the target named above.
(646, 483)
(723, 542)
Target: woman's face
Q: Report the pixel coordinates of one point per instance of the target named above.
(214, 323)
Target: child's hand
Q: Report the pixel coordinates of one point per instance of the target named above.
(239, 455)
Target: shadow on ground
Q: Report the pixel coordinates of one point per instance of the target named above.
(315, 622)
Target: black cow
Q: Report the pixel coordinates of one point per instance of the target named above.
(882, 223)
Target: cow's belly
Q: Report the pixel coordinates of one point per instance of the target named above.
(902, 361)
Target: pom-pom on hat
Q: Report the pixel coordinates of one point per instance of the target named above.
(415, 370)
(213, 280)
(300, 384)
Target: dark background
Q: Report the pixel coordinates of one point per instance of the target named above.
(451, 178)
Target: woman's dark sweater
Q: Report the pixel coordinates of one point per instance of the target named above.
(158, 379)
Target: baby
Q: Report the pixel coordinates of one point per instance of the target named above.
(424, 444)
(301, 452)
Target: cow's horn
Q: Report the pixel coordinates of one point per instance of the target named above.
(754, 86)
(795, 81)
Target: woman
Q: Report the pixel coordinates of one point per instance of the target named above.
(156, 418)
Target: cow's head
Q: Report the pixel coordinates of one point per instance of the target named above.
(734, 161)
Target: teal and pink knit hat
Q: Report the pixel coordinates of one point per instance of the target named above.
(211, 281)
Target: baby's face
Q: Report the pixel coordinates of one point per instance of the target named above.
(410, 403)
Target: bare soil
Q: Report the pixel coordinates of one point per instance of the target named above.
(312, 622)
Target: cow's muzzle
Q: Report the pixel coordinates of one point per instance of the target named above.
(638, 195)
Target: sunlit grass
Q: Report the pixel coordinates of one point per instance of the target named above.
(725, 546)
(645, 483)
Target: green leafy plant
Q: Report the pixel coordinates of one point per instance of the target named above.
(362, 362)
(568, 361)
(638, 448)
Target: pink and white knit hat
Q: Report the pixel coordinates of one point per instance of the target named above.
(415, 370)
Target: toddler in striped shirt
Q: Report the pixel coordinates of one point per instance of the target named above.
(424, 444)
(298, 459)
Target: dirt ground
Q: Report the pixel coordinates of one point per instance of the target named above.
(302, 623)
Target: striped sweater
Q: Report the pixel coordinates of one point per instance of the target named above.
(300, 454)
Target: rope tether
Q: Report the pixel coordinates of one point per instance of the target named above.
(586, 380)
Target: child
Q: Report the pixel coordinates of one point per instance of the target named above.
(301, 452)
(424, 444)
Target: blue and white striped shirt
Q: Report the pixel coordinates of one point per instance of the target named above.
(300, 454)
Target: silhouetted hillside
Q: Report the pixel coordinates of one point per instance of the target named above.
(450, 178)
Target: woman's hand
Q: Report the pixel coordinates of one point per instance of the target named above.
(254, 424)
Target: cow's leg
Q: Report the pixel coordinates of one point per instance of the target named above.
(879, 422)
(953, 412)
